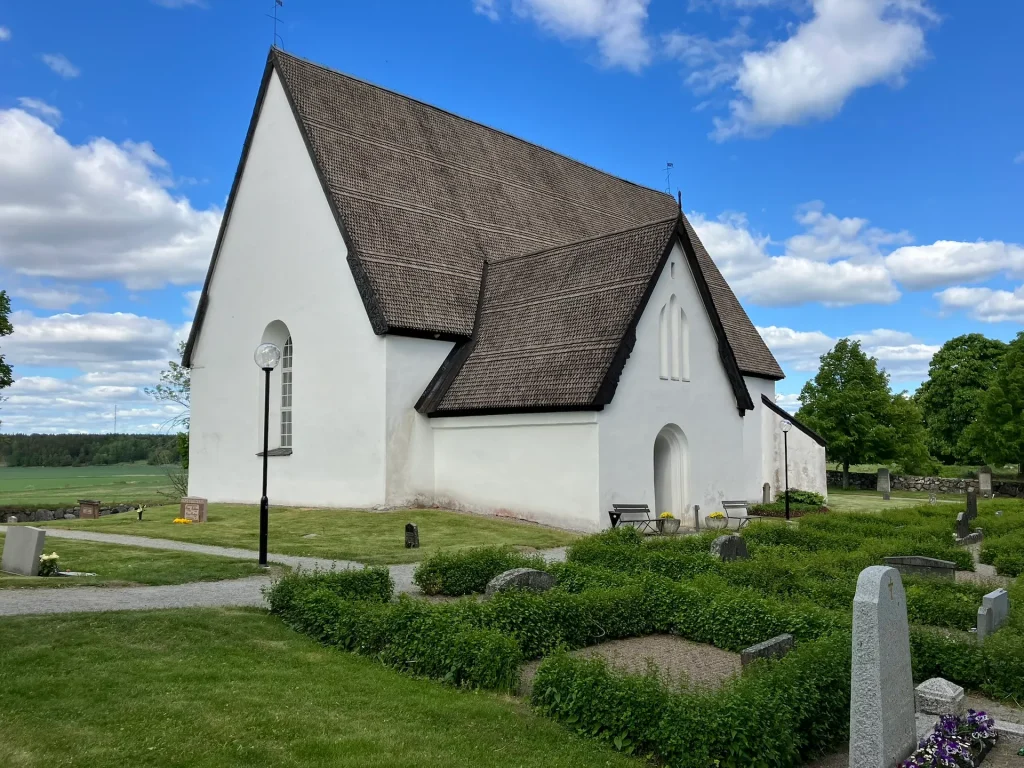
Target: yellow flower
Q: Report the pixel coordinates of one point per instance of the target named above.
(182, 520)
(716, 515)
(666, 516)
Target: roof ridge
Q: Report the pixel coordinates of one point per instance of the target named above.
(593, 239)
(274, 50)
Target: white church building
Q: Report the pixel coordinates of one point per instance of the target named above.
(468, 321)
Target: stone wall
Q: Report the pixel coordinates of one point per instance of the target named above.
(61, 513)
(868, 481)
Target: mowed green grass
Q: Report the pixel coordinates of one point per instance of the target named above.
(376, 538)
(871, 501)
(235, 688)
(118, 566)
(46, 487)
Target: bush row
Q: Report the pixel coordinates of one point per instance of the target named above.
(1006, 553)
(783, 713)
(467, 571)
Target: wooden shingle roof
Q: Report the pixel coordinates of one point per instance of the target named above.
(424, 198)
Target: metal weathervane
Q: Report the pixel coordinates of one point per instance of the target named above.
(277, 4)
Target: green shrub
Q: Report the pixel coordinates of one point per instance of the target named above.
(469, 571)
(781, 713)
(948, 605)
(807, 498)
(366, 584)
(778, 509)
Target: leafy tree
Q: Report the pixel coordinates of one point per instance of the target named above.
(6, 329)
(958, 376)
(912, 456)
(175, 387)
(1000, 426)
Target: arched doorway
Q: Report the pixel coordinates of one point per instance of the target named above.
(670, 471)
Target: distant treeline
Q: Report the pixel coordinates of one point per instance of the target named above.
(86, 450)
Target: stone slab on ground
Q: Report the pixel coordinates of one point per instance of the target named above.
(916, 565)
(679, 663)
(22, 547)
(529, 579)
(774, 648)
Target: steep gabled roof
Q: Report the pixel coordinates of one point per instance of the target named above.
(423, 198)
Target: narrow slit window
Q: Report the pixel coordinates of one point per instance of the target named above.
(286, 394)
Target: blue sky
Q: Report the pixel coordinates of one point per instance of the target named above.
(854, 166)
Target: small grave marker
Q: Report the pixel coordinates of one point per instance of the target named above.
(985, 627)
(940, 697)
(972, 504)
(22, 548)
(916, 565)
(883, 729)
(766, 493)
(193, 508)
(985, 482)
(729, 548)
(932, 498)
(963, 525)
(89, 510)
(412, 536)
(884, 485)
(775, 648)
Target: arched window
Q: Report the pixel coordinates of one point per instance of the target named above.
(286, 394)
(681, 347)
(674, 342)
(664, 340)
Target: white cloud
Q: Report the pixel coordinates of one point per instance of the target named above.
(985, 304)
(191, 302)
(5, 34)
(55, 296)
(790, 401)
(712, 63)
(944, 262)
(616, 25)
(60, 64)
(829, 237)
(789, 281)
(47, 112)
(901, 354)
(95, 211)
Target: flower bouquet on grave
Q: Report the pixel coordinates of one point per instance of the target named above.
(956, 742)
(667, 523)
(182, 520)
(48, 564)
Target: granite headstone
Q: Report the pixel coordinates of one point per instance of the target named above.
(22, 548)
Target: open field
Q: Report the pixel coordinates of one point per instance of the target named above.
(64, 486)
(221, 688)
(375, 538)
(119, 566)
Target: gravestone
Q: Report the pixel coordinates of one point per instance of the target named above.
(985, 482)
(883, 729)
(22, 548)
(985, 627)
(932, 498)
(12, 519)
(521, 578)
(972, 504)
(412, 536)
(193, 508)
(729, 548)
(940, 697)
(766, 493)
(775, 648)
(999, 601)
(89, 510)
(916, 565)
(963, 525)
(884, 484)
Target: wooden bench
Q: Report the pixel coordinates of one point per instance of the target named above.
(638, 514)
(736, 510)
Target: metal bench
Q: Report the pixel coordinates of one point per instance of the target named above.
(638, 514)
(736, 510)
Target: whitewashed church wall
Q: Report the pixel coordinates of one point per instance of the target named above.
(806, 457)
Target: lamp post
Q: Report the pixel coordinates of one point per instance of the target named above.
(786, 426)
(267, 357)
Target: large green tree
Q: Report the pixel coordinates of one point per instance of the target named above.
(1000, 425)
(848, 402)
(6, 329)
(911, 454)
(958, 376)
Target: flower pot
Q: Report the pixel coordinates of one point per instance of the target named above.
(716, 523)
(668, 526)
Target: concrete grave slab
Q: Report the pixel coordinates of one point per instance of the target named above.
(22, 548)
(916, 565)
(940, 697)
(775, 648)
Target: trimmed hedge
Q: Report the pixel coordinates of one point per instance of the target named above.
(468, 571)
(781, 713)
(366, 584)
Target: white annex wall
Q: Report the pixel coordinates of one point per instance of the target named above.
(283, 258)
(806, 457)
(411, 364)
(704, 408)
(533, 466)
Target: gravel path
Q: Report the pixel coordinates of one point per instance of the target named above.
(206, 594)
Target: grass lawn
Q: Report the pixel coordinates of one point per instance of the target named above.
(119, 566)
(871, 501)
(63, 486)
(376, 538)
(220, 688)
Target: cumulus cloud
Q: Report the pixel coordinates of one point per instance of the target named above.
(900, 353)
(95, 211)
(985, 304)
(47, 112)
(5, 34)
(60, 64)
(55, 296)
(930, 266)
(617, 26)
(845, 45)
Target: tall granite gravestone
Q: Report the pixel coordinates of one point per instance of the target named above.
(412, 536)
(22, 548)
(883, 730)
(995, 607)
(963, 525)
(766, 493)
(972, 504)
(193, 508)
(985, 482)
(884, 483)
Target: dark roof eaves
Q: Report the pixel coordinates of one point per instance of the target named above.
(796, 422)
